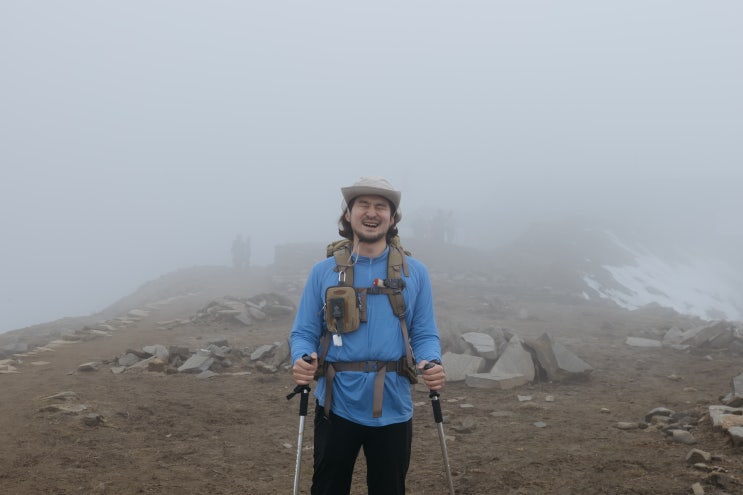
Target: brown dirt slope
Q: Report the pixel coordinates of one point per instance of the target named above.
(236, 433)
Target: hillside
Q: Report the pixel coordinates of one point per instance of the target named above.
(76, 421)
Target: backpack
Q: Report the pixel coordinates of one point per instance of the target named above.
(345, 309)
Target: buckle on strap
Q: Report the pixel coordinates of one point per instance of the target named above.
(371, 366)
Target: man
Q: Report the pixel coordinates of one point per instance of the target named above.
(364, 388)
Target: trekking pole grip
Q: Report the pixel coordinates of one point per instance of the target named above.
(303, 391)
(434, 395)
(303, 400)
(439, 418)
(436, 405)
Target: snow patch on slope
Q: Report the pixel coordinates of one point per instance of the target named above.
(691, 285)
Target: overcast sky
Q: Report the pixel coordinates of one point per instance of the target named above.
(140, 137)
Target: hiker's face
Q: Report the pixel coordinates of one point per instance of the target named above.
(370, 218)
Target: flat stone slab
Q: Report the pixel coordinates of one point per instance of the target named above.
(515, 360)
(500, 381)
(482, 344)
(458, 366)
(718, 413)
(643, 342)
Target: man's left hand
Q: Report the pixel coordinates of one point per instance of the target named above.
(433, 376)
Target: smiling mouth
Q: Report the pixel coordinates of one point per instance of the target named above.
(370, 225)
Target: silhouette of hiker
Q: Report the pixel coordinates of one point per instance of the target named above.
(246, 253)
(238, 253)
(241, 253)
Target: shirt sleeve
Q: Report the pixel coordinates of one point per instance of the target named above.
(307, 327)
(424, 334)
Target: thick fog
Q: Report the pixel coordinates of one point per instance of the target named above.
(138, 137)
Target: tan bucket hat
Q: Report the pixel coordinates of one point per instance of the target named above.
(376, 186)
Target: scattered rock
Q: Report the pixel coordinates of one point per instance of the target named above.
(683, 436)
(91, 366)
(642, 342)
(93, 419)
(627, 425)
(62, 396)
(466, 425)
(696, 455)
(64, 408)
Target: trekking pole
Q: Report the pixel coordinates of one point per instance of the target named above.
(304, 391)
(439, 418)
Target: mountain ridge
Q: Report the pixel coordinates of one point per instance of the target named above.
(571, 259)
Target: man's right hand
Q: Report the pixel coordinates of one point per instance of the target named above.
(304, 372)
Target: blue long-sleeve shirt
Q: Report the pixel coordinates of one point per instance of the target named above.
(380, 338)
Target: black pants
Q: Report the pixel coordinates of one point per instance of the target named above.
(337, 444)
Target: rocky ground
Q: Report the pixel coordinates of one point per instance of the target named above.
(152, 430)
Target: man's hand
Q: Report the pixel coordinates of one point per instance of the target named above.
(433, 374)
(303, 371)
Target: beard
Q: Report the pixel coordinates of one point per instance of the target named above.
(369, 239)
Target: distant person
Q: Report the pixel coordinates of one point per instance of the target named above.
(366, 361)
(238, 252)
(449, 227)
(246, 253)
(438, 226)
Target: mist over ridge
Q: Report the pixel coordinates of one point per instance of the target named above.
(136, 145)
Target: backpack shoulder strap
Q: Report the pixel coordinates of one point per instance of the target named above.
(397, 263)
(341, 251)
(397, 266)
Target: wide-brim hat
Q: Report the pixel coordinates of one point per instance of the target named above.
(373, 186)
